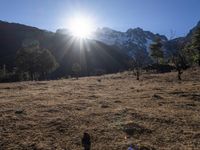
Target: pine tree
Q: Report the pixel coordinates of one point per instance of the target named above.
(46, 63)
(4, 70)
(195, 45)
(156, 50)
(76, 68)
(36, 61)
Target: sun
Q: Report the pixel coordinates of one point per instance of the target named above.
(81, 27)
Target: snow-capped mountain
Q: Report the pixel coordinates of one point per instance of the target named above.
(130, 40)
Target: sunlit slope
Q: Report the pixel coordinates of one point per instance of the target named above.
(116, 110)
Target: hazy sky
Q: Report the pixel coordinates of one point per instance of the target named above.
(158, 16)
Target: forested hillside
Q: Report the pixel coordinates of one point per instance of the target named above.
(93, 56)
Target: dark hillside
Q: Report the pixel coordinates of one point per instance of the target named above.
(92, 55)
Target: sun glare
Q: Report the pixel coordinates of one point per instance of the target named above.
(81, 27)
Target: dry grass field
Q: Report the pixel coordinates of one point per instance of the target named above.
(157, 112)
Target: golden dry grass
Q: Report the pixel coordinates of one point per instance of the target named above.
(157, 112)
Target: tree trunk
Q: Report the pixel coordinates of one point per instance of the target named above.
(32, 76)
(199, 58)
(138, 74)
(43, 76)
(4, 70)
(179, 74)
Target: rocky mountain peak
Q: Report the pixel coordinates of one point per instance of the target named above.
(132, 39)
(135, 30)
(198, 24)
(189, 35)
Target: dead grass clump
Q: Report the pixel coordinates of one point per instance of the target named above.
(99, 80)
(57, 125)
(192, 96)
(5, 88)
(186, 106)
(93, 96)
(19, 111)
(104, 106)
(51, 110)
(165, 120)
(146, 148)
(195, 97)
(116, 77)
(156, 96)
(135, 129)
(141, 147)
(117, 101)
(39, 83)
(177, 92)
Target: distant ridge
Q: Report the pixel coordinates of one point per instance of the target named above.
(108, 50)
(67, 51)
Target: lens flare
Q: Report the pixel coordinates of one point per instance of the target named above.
(81, 27)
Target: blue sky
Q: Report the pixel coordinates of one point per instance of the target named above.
(158, 16)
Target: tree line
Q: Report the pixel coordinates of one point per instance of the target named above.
(32, 63)
(184, 56)
(36, 63)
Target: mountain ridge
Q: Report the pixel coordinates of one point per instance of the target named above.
(130, 40)
(120, 45)
(133, 38)
(66, 49)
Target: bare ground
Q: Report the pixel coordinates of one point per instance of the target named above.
(157, 112)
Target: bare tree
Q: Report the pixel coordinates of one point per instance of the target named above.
(138, 61)
(179, 59)
(195, 45)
